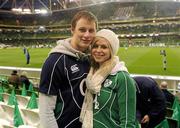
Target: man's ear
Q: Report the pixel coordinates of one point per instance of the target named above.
(72, 30)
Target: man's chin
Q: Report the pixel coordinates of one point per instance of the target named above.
(85, 44)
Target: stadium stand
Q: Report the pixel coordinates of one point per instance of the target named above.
(136, 22)
(152, 25)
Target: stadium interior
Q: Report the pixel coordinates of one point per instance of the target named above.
(142, 23)
(43, 22)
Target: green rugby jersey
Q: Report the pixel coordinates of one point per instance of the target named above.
(116, 103)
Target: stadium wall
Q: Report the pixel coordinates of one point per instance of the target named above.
(34, 75)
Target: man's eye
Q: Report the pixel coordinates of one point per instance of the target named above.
(82, 30)
(91, 31)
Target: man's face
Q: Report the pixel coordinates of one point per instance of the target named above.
(83, 34)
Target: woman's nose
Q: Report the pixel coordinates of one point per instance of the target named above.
(99, 48)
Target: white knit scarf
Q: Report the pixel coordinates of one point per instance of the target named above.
(93, 83)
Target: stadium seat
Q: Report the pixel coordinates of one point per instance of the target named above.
(5, 97)
(18, 91)
(8, 112)
(1, 97)
(31, 117)
(12, 114)
(1, 89)
(22, 101)
(1, 111)
(26, 126)
(5, 84)
(33, 103)
(5, 124)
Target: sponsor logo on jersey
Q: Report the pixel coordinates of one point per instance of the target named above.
(107, 83)
(74, 68)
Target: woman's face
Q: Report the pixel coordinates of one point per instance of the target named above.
(100, 50)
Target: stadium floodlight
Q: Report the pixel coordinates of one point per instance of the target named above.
(26, 10)
(133, 35)
(150, 34)
(139, 35)
(42, 28)
(122, 35)
(17, 9)
(40, 11)
(20, 10)
(43, 11)
(156, 34)
(37, 11)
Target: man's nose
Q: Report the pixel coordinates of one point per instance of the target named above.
(87, 33)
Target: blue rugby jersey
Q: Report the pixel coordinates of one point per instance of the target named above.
(61, 76)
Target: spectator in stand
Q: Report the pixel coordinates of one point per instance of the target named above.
(14, 79)
(60, 98)
(24, 80)
(169, 96)
(151, 107)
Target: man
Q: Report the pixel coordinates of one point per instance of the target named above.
(27, 56)
(151, 108)
(169, 97)
(60, 97)
(14, 79)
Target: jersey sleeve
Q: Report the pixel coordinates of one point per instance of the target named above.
(126, 100)
(51, 75)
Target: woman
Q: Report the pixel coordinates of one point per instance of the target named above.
(110, 98)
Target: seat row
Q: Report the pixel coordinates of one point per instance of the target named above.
(13, 116)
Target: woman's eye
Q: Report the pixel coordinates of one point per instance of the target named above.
(103, 47)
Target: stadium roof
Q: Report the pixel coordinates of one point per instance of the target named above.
(45, 6)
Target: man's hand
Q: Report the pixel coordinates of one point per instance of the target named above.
(145, 119)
